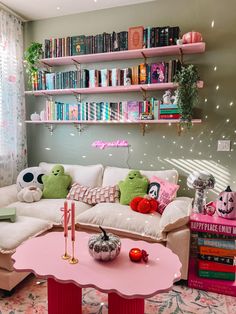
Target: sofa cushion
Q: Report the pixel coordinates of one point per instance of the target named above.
(176, 214)
(122, 220)
(13, 234)
(92, 196)
(85, 175)
(112, 175)
(47, 209)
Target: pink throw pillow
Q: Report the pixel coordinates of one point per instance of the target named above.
(94, 196)
(163, 191)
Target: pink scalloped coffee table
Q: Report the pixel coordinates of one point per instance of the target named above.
(127, 283)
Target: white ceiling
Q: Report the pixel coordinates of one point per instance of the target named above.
(42, 9)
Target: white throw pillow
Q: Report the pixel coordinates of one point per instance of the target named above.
(84, 175)
(122, 220)
(112, 175)
(176, 214)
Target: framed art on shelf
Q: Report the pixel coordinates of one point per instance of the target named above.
(135, 37)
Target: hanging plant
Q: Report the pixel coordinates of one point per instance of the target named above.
(31, 59)
(187, 93)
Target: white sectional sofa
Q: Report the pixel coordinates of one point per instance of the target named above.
(33, 219)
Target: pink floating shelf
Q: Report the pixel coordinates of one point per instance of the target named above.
(104, 90)
(166, 121)
(128, 54)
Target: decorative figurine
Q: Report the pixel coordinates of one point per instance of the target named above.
(105, 246)
(200, 181)
(226, 204)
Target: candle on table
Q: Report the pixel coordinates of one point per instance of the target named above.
(135, 255)
(73, 221)
(65, 219)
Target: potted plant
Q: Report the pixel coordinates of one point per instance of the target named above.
(187, 93)
(31, 59)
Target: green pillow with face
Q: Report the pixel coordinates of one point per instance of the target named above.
(56, 184)
(134, 185)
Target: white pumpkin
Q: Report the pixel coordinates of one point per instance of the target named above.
(29, 194)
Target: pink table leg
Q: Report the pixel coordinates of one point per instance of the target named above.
(118, 305)
(64, 298)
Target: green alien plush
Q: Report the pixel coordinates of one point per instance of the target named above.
(134, 185)
(56, 184)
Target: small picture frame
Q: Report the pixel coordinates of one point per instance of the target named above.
(135, 37)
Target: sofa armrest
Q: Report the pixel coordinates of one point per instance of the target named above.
(179, 243)
(176, 214)
(8, 195)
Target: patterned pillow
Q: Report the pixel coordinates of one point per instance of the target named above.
(163, 191)
(92, 196)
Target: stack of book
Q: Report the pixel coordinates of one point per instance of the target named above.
(216, 257)
(169, 111)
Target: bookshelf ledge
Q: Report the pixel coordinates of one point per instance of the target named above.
(127, 54)
(108, 89)
(51, 124)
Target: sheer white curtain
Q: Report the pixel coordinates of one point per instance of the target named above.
(12, 103)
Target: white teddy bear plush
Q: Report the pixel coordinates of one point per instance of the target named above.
(29, 194)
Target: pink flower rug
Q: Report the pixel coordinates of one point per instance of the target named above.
(30, 297)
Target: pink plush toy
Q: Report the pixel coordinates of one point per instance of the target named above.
(192, 37)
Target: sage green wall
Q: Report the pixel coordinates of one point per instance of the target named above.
(161, 147)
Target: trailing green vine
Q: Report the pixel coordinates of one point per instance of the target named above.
(31, 59)
(187, 93)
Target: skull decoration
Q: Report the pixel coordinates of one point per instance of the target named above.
(105, 246)
(30, 177)
(200, 181)
(226, 204)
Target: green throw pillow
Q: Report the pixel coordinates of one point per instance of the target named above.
(56, 184)
(134, 185)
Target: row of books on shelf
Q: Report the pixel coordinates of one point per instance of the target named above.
(110, 111)
(160, 72)
(216, 257)
(107, 42)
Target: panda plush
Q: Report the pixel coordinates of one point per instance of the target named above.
(30, 177)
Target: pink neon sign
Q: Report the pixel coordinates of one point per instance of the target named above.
(104, 144)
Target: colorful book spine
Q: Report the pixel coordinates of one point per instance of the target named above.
(105, 77)
(133, 110)
(216, 275)
(224, 244)
(213, 266)
(206, 250)
(158, 72)
(170, 116)
(225, 228)
(143, 73)
(219, 259)
(169, 111)
(168, 106)
(215, 236)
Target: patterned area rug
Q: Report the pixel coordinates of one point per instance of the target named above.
(30, 297)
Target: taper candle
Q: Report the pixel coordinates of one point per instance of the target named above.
(65, 219)
(73, 221)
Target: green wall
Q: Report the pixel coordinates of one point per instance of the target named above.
(161, 147)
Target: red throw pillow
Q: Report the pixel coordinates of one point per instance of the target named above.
(163, 191)
(144, 205)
